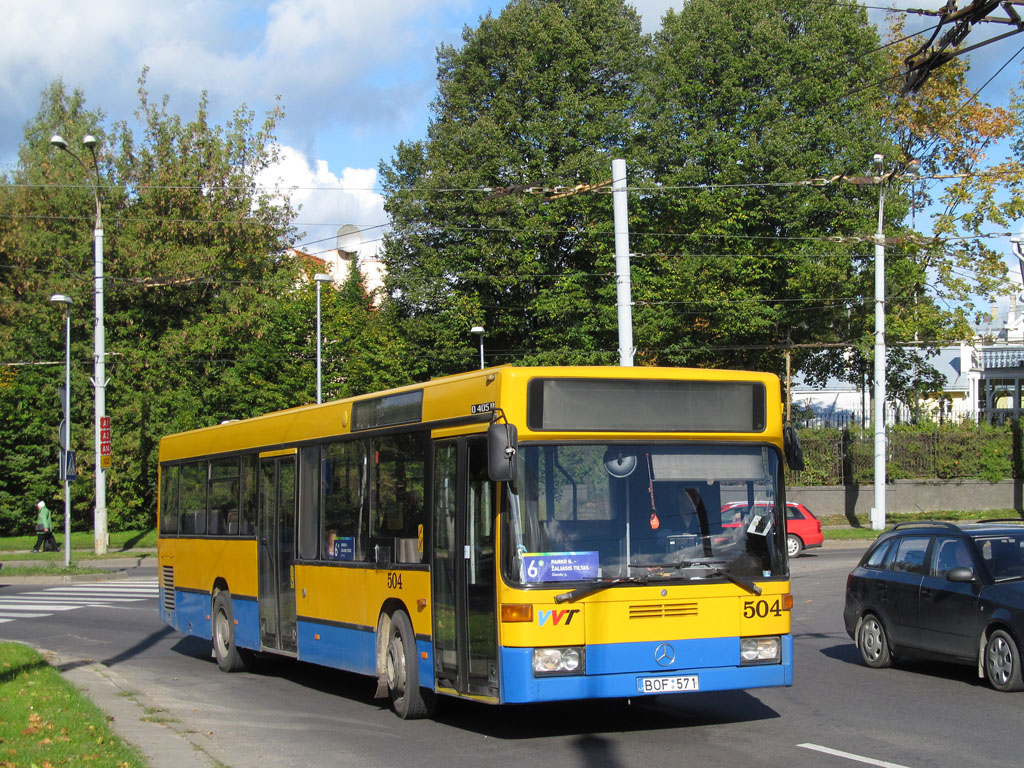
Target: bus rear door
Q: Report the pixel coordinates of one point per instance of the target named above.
(277, 553)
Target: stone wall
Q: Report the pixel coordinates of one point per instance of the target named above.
(911, 496)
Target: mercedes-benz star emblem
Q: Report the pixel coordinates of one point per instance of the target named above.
(665, 655)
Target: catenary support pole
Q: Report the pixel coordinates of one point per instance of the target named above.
(623, 288)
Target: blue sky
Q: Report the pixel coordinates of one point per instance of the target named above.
(355, 78)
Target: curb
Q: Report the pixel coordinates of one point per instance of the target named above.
(110, 570)
(134, 717)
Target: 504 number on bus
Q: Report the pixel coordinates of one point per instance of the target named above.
(762, 609)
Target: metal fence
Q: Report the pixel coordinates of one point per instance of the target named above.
(844, 457)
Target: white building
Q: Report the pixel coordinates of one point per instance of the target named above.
(349, 252)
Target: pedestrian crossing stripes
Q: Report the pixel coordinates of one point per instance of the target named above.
(46, 602)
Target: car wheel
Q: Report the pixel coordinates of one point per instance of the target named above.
(230, 658)
(1002, 662)
(408, 699)
(794, 545)
(873, 644)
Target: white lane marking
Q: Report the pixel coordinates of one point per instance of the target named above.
(851, 756)
(38, 606)
(72, 599)
(67, 598)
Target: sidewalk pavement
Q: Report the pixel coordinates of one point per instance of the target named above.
(136, 564)
(134, 716)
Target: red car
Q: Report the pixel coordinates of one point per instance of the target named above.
(803, 529)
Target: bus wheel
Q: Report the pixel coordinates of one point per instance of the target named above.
(408, 699)
(230, 658)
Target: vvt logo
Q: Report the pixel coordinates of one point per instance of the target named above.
(557, 616)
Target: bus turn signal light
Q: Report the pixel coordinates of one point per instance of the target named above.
(517, 612)
(787, 601)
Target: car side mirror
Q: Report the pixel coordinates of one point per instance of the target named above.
(960, 575)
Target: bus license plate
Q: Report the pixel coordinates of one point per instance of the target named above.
(667, 684)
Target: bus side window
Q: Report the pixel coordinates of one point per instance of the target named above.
(399, 509)
(309, 502)
(344, 500)
(169, 500)
(223, 497)
(193, 498)
(250, 495)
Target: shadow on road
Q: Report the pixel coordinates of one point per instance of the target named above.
(585, 719)
(148, 642)
(845, 652)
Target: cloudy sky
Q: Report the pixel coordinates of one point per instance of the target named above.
(355, 77)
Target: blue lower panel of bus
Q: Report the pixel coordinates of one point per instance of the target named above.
(616, 670)
(353, 648)
(191, 616)
(338, 646)
(247, 622)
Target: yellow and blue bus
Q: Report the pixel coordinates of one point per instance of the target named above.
(510, 535)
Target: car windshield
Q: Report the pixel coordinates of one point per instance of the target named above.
(1003, 555)
(611, 511)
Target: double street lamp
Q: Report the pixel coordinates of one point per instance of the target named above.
(99, 381)
(66, 465)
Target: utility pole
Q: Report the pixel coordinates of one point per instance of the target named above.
(623, 289)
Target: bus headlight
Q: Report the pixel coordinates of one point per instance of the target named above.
(760, 650)
(558, 661)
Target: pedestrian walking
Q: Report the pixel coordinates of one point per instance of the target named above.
(44, 530)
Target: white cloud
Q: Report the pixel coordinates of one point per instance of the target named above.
(343, 68)
(328, 201)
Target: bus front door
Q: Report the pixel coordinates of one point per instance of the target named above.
(277, 554)
(464, 575)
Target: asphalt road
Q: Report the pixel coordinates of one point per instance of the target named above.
(838, 713)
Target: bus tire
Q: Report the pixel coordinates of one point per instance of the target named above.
(401, 670)
(230, 658)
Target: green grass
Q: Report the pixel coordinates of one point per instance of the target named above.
(19, 560)
(45, 721)
(53, 569)
(120, 542)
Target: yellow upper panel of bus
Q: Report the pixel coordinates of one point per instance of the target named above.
(461, 397)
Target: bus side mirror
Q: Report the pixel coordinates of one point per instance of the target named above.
(502, 445)
(791, 446)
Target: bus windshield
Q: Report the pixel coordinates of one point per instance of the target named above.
(614, 511)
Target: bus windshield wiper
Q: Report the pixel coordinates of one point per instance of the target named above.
(597, 586)
(750, 586)
(719, 571)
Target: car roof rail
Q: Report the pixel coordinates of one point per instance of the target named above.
(1017, 520)
(932, 523)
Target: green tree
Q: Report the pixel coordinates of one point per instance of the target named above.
(199, 322)
(744, 100)
(541, 96)
(363, 351)
(45, 248)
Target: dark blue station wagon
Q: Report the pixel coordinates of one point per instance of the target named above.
(943, 591)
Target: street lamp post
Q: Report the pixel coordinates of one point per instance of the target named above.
(99, 381)
(878, 510)
(320, 278)
(910, 169)
(65, 438)
(478, 330)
